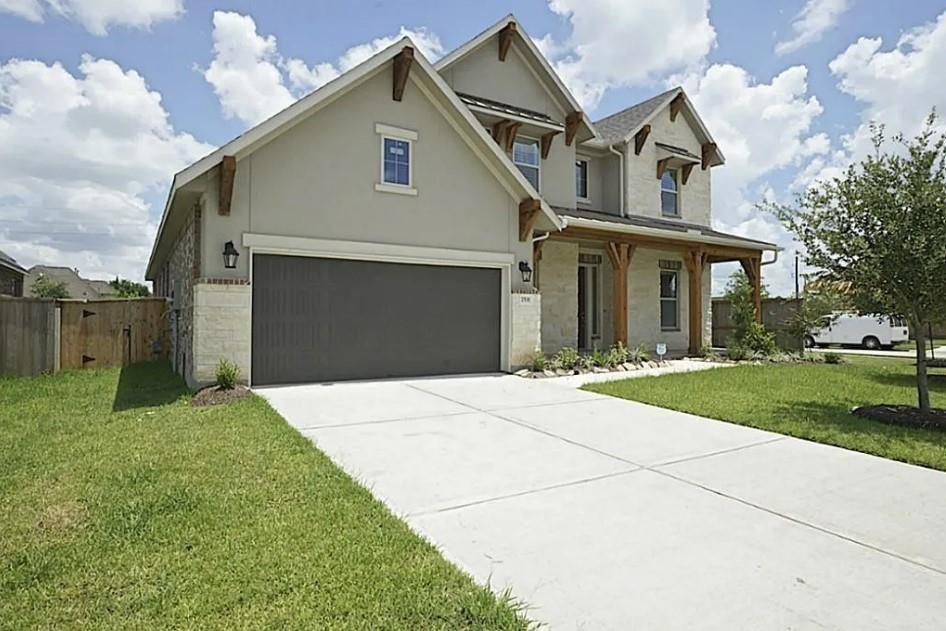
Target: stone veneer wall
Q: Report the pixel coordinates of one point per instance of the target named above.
(558, 284)
(526, 320)
(179, 278)
(222, 312)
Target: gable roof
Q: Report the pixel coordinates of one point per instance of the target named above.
(434, 87)
(621, 126)
(544, 70)
(76, 286)
(9, 262)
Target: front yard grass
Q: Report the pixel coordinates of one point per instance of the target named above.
(810, 401)
(125, 507)
(910, 345)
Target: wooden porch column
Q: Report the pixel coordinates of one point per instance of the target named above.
(753, 268)
(696, 261)
(620, 256)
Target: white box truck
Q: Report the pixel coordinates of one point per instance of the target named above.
(868, 331)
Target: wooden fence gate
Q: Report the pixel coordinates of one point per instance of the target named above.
(100, 333)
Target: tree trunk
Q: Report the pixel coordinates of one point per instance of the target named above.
(922, 385)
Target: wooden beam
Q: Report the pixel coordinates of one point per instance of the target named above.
(685, 172)
(709, 154)
(752, 266)
(572, 121)
(547, 143)
(640, 138)
(499, 131)
(675, 106)
(620, 256)
(402, 68)
(719, 253)
(661, 167)
(511, 132)
(227, 173)
(529, 210)
(537, 250)
(696, 261)
(505, 40)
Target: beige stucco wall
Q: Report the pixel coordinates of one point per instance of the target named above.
(318, 180)
(643, 187)
(221, 329)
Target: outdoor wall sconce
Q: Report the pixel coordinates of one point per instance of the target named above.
(526, 272)
(230, 255)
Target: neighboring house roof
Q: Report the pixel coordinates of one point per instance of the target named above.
(434, 87)
(621, 126)
(102, 286)
(76, 286)
(657, 227)
(540, 64)
(10, 263)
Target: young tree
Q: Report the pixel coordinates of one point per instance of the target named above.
(879, 230)
(129, 289)
(748, 333)
(46, 287)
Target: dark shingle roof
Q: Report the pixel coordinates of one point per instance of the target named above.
(9, 261)
(616, 127)
(504, 108)
(653, 222)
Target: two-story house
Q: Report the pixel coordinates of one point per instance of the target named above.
(411, 218)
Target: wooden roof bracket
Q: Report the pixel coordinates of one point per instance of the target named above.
(572, 121)
(710, 153)
(402, 68)
(675, 106)
(529, 210)
(640, 138)
(546, 142)
(505, 39)
(511, 132)
(661, 167)
(685, 172)
(227, 174)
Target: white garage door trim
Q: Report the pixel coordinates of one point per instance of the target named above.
(386, 252)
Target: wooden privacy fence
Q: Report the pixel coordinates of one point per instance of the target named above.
(776, 312)
(45, 335)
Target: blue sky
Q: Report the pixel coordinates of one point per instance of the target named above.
(96, 110)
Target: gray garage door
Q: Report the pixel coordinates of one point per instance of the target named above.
(318, 319)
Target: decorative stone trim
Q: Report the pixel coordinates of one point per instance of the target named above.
(626, 367)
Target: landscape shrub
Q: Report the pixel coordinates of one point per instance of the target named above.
(539, 361)
(227, 374)
(833, 358)
(567, 358)
(617, 354)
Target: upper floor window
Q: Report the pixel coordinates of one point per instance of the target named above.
(525, 155)
(581, 179)
(396, 161)
(669, 193)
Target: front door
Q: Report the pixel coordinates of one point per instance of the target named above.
(589, 305)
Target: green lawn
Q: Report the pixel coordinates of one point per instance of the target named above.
(810, 401)
(911, 344)
(124, 507)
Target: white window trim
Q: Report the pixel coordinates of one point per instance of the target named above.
(579, 198)
(676, 194)
(538, 165)
(389, 132)
(661, 299)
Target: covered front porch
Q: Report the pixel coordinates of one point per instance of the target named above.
(606, 279)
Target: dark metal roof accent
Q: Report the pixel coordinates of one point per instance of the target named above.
(678, 150)
(653, 222)
(506, 108)
(617, 126)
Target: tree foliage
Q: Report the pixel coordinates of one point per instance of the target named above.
(129, 289)
(47, 287)
(748, 334)
(879, 231)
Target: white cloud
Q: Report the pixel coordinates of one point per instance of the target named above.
(78, 153)
(250, 77)
(615, 43)
(98, 15)
(816, 18)
(898, 87)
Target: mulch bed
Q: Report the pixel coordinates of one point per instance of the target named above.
(904, 415)
(216, 396)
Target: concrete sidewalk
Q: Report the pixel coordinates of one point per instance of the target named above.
(602, 513)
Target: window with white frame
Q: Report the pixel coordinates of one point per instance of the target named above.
(396, 161)
(525, 155)
(581, 179)
(670, 193)
(669, 299)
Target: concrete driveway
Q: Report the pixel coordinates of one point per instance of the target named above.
(608, 514)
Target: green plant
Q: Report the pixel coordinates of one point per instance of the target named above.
(758, 340)
(227, 374)
(585, 362)
(46, 287)
(735, 351)
(539, 361)
(617, 354)
(567, 358)
(833, 358)
(125, 288)
(600, 358)
(638, 355)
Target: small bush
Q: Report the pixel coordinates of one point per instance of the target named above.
(539, 362)
(567, 358)
(735, 351)
(617, 354)
(600, 358)
(758, 340)
(227, 374)
(585, 362)
(638, 355)
(833, 358)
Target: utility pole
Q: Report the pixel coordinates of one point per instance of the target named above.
(797, 292)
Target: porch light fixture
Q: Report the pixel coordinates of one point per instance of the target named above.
(230, 255)
(526, 272)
